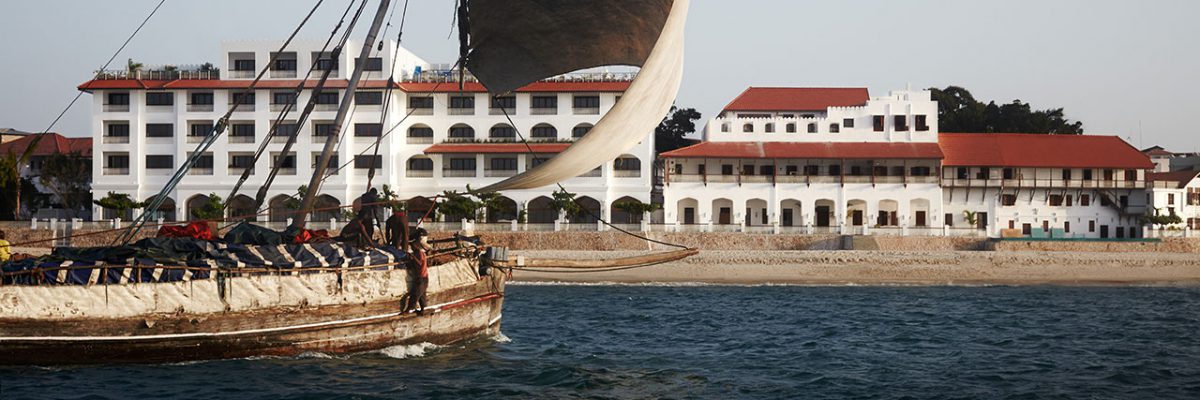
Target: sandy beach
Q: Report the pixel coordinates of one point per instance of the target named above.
(890, 268)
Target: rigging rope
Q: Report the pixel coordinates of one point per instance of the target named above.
(208, 141)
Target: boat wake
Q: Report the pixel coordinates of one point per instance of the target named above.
(409, 351)
(500, 337)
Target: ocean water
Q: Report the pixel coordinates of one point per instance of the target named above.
(767, 342)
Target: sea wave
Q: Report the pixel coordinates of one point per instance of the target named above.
(748, 285)
(409, 351)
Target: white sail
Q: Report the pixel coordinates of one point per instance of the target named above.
(630, 121)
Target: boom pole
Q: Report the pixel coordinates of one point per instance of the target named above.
(314, 185)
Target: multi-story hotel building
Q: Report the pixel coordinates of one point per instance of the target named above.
(437, 135)
(836, 160)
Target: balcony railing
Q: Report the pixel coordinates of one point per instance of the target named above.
(325, 107)
(116, 108)
(636, 173)
(1045, 183)
(287, 171)
(242, 74)
(458, 173)
(796, 179)
(416, 173)
(199, 107)
(243, 107)
(756, 179)
(543, 111)
(158, 109)
(280, 138)
(499, 173)
(116, 139)
(279, 107)
(236, 171)
(856, 179)
(587, 111)
(241, 139)
(200, 171)
(889, 179)
(462, 111)
(163, 74)
(283, 74)
(116, 171)
(595, 173)
(502, 111)
(419, 140)
(195, 139)
(421, 111)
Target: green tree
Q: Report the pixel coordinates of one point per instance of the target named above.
(119, 202)
(635, 207)
(959, 111)
(456, 206)
(10, 185)
(213, 209)
(564, 203)
(133, 67)
(67, 176)
(672, 133)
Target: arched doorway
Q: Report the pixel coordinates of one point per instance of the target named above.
(824, 213)
(165, 211)
(589, 211)
(757, 213)
(687, 209)
(418, 207)
(325, 208)
(504, 210)
(789, 213)
(856, 212)
(889, 213)
(722, 211)
(538, 211)
(241, 208)
(920, 213)
(194, 203)
(278, 210)
(620, 216)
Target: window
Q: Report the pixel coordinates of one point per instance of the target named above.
(1171, 199)
(1091, 226)
(462, 132)
(962, 173)
(769, 128)
(1056, 200)
(118, 161)
(420, 164)
(536, 161)
(1085, 200)
(243, 65)
(462, 164)
(286, 129)
(1008, 200)
(202, 98)
(327, 98)
(372, 98)
(791, 170)
(502, 132)
(1087, 175)
(420, 102)
(812, 128)
(241, 161)
(508, 102)
(284, 162)
(791, 128)
(983, 173)
(503, 164)
(1066, 174)
(462, 102)
(420, 132)
(898, 171)
(282, 64)
(283, 98)
(727, 169)
(323, 129)
(205, 161)
(545, 102)
(881, 171)
(878, 122)
(766, 170)
(580, 131)
(900, 122)
(326, 64)
(949, 218)
(848, 122)
(678, 169)
(160, 130)
(748, 128)
(812, 170)
(1070, 200)
(922, 124)
(373, 64)
(118, 98)
(834, 128)
(160, 99)
(1108, 175)
(587, 101)
(627, 164)
(725, 128)
(201, 129)
(242, 98)
(856, 170)
(160, 161)
(835, 170)
(368, 161)
(1130, 175)
(368, 130)
(544, 132)
(334, 164)
(702, 169)
(1066, 226)
(920, 171)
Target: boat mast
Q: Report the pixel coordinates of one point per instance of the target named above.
(314, 185)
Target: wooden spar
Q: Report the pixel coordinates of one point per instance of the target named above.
(314, 184)
(605, 263)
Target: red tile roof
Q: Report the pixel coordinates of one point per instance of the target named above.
(448, 87)
(50, 144)
(822, 150)
(1040, 151)
(797, 99)
(1180, 178)
(496, 148)
(1158, 152)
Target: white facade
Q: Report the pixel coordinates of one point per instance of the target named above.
(136, 152)
(1177, 193)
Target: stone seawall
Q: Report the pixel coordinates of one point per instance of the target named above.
(1169, 245)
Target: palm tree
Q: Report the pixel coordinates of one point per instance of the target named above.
(133, 67)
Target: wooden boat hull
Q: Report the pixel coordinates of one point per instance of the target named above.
(460, 309)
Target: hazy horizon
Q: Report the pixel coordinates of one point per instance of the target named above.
(1120, 68)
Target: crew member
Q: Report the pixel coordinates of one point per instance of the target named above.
(419, 271)
(358, 231)
(397, 229)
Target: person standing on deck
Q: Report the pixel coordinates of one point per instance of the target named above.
(368, 203)
(420, 272)
(397, 229)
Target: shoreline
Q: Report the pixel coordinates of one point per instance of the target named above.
(888, 268)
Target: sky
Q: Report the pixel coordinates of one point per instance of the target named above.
(1126, 68)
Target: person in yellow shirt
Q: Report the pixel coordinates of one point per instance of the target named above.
(5, 248)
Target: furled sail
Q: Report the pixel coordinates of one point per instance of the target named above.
(642, 106)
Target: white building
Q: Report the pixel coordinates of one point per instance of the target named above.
(835, 160)
(146, 124)
(1177, 193)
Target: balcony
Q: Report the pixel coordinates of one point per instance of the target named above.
(543, 111)
(287, 171)
(241, 139)
(587, 111)
(200, 171)
(419, 140)
(595, 173)
(242, 74)
(283, 74)
(116, 108)
(889, 179)
(160, 109)
(923, 180)
(325, 107)
(200, 107)
(416, 173)
(195, 139)
(249, 107)
(722, 179)
(499, 173)
(502, 111)
(458, 173)
(856, 179)
(462, 111)
(421, 111)
(236, 171)
(116, 171)
(281, 107)
(116, 139)
(281, 138)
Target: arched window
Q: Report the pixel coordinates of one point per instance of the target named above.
(544, 131)
(627, 163)
(748, 128)
(420, 164)
(420, 131)
(462, 132)
(812, 128)
(502, 132)
(770, 128)
(580, 130)
(791, 128)
(834, 128)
